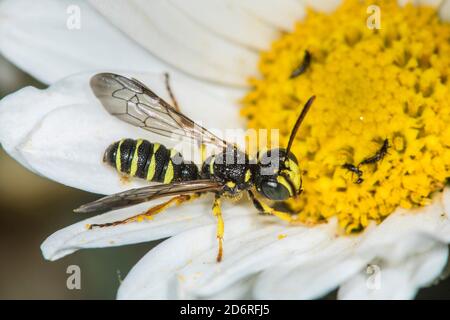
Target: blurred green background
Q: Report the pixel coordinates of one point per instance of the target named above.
(32, 208)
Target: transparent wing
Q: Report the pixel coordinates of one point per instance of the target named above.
(144, 194)
(131, 101)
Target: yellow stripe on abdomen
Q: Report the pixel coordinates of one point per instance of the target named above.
(118, 157)
(134, 161)
(168, 176)
(152, 166)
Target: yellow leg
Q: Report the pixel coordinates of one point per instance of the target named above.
(203, 152)
(220, 226)
(266, 209)
(149, 213)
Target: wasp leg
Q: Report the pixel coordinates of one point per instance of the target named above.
(169, 90)
(149, 213)
(203, 154)
(220, 226)
(266, 209)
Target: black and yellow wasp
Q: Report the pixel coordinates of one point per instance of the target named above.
(275, 174)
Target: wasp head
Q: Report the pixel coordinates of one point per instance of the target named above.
(278, 176)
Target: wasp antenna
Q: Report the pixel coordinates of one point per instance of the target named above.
(299, 122)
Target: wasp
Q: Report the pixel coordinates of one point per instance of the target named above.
(379, 155)
(274, 175)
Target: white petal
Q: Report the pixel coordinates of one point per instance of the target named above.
(35, 36)
(62, 132)
(446, 201)
(398, 280)
(166, 259)
(300, 278)
(306, 264)
(408, 247)
(172, 36)
(402, 225)
(283, 14)
(444, 10)
(230, 21)
(240, 290)
(397, 238)
(251, 245)
(171, 222)
(433, 3)
(17, 121)
(443, 233)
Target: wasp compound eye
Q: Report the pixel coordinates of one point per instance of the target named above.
(274, 190)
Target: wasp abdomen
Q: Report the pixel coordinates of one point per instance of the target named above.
(151, 161)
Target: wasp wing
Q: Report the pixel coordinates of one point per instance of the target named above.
(133, 102)
(144, 194)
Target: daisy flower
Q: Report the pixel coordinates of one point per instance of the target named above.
(381, 110)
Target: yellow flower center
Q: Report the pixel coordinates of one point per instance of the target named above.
(371, 85)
